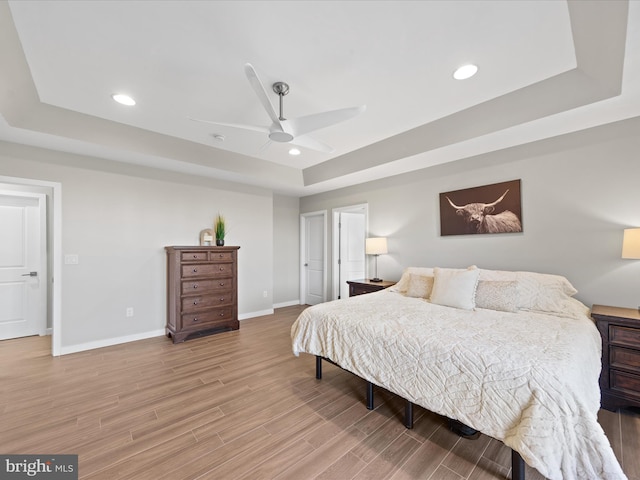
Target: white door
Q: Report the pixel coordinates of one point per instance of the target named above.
(314, 260)
(352, 257)
(23, 275)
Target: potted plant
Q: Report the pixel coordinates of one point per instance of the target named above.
(219, 230)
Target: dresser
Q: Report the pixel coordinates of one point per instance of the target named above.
(360, 287)
(620, 376)
(202, 291)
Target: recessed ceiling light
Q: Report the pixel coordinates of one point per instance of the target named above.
(464, 72)
(294, 151)
(123, 99)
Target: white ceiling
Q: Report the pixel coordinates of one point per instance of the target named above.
(546, 68)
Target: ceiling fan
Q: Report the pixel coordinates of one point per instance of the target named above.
(293, 130)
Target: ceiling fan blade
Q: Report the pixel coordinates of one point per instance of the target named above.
(257, 86)
(253, 128)
(312, 144)
(316, 121)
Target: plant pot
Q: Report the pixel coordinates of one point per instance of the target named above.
(219, 242)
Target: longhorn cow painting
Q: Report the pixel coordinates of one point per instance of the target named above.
(492, 208)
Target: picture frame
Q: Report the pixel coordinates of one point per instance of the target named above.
(487, 209)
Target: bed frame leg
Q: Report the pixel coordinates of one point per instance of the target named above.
(369, 396)
(517, 466)
(408, 414)
(318, 367)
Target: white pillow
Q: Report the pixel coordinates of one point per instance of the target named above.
(455, 288)
(420, 286)
(543, 292)
(497, 295)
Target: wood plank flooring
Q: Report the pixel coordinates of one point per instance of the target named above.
(237, 405)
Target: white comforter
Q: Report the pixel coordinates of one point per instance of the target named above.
(527, 379)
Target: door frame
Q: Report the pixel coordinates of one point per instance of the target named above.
(303, 246)
(54, 252)
(335, 249)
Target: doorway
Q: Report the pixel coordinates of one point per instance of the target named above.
(313, 257)
(348, 259)
(50, 280)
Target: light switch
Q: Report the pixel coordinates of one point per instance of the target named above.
(71, 259)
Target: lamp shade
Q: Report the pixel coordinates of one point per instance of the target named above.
(631, 243)
(375, 246)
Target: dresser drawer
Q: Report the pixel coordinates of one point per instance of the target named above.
(201, 302)
(208, 270)
(204, 285)
(619, 335)
(626, 383)
(624, 358)
(210, 317)
(223, 257)
(194, 256)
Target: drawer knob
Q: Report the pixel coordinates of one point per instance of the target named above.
(195, 302)
(221, 255)
(221, 269)
(221, 314)
(195, 256)
(195, 285)
(222, 284)
(195, 319)
(195, 270)
(222, 299)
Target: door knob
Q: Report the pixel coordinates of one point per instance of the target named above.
(30, 274)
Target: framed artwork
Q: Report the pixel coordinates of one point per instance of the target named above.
(495, 208)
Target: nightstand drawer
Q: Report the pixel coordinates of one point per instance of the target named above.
(626, 383)
(360, 290)
(619, 335)
(624, 358)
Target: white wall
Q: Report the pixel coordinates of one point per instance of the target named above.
(578, 193)
(286, 248)
(118, 225)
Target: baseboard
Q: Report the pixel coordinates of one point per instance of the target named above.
(110, 341)
(287, 304)
(260, 313)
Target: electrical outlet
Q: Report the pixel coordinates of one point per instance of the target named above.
(265, 294)
(129, 312)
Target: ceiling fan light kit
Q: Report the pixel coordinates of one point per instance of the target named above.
(294, 130)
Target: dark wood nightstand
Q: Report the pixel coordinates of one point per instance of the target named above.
(360, 287)
(620, 377)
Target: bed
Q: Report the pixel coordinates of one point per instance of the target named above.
(510, 354)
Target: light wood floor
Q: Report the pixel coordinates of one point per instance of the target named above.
(236, 405)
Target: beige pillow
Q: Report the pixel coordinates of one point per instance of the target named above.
(420, 286)
(497, 295)
(403, 283)
(455, 288)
